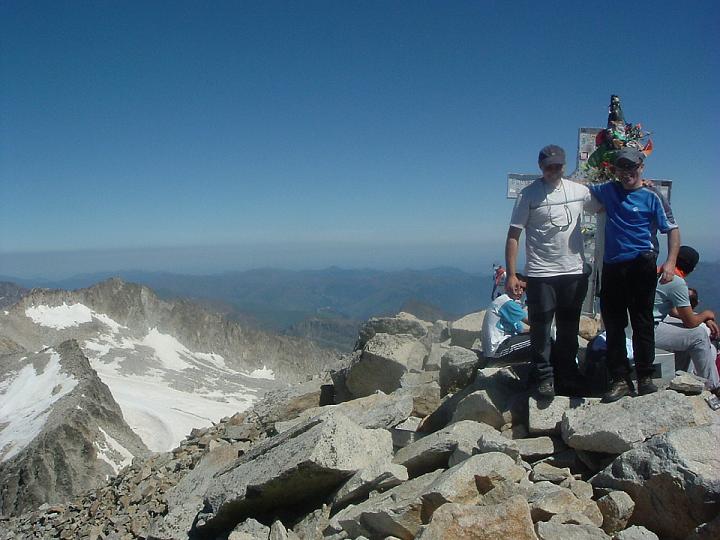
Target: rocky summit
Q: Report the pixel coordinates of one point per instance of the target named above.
(377, 448)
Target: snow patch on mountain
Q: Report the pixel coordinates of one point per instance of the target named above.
(164, 389)
(112, 452)
(264, 373)
(65, 316)
(25, 403)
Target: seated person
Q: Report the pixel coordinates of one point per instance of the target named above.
(690, 337)
(505, 336)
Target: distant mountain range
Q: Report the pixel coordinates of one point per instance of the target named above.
(324, 305)
(328, 305)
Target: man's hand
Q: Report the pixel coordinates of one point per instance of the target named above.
(668, 272)
(714, 330)
(512, 285)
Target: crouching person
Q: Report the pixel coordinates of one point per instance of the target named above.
(691, 337)
(505, 336)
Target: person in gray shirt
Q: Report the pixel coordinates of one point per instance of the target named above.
(690, 338)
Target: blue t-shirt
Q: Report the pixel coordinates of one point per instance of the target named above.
(633, 219)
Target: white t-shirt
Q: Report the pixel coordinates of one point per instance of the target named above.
(551, 219)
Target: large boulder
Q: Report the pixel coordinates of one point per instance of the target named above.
(545, 416)
(403, 323)
(299, 468)
(487, 406)
(378, 410)
(498, 384)
(424, 389)
(396, 512)
(466, 330)
(377, 477)
(488, 441)
(287, 403)
(673, 478)
(383, 362)
(458, 483)
(507, 520)
(617, 427)
(434, 450)
(457, 369)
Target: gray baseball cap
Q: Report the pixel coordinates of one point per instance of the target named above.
(551, 155)
(629, 157)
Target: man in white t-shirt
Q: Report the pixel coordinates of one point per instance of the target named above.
(549, 211)
(504, 332)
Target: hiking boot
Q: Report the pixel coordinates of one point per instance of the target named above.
(619, 388)
(646, 386)
(546, 388)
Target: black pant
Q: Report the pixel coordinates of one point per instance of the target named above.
(629, 286)
(561, 297)
(512, 350)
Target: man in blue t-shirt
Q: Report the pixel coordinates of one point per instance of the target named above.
(629, 276)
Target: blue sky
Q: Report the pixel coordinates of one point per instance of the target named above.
(209, 136)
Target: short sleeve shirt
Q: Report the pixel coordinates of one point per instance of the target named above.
(673, 294)
(633, 219)
(551, 220)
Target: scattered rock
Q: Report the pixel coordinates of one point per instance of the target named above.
(637, 532)
(510, 519)
(687, 383)
(535, 448)
(556, 531)
(544, 472)
(616, 508)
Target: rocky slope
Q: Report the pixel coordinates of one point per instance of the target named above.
(10, 294)
(61, 431)
(450, 448)
(170, 365)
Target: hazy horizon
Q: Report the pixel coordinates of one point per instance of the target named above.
(205, 260)
(228, 258)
